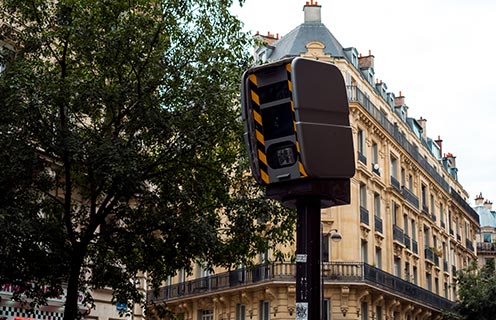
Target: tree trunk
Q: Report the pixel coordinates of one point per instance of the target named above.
(71, 310)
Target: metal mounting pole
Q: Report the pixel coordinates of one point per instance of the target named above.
(308, 259)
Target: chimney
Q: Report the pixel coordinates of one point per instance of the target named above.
(478, 200)
(366, 62)
(488, 204)
(312, 12)
(423, 124)
(399, 100)
(452, 160)
(440, 144)
(268, 39)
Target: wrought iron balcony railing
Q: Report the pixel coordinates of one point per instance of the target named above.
(486, 247)
(286, 272)
(398, 234)
(395, 183)
(410, 197)
(362, 158)
(414, 246)
(364, 215)
(356, 95)
(378, 224)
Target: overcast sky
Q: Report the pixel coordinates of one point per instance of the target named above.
(441, 54)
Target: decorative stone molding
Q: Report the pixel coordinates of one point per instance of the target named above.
(365, 230)
(397, 250)
(378, 239)
(345, 294)
(362, 295)
(315, 50)
(187, 309)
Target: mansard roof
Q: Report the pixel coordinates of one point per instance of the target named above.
(293, 44)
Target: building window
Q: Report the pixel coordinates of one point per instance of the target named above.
(264, 310)
(326, 309)
(363, 195)
(410, 182)
(377, 205)
(394, 167)
(378, 313)
(428, 281)
(487, 237)
(415, 275)
(375, 153)
(364, 251)
(206, 314)
(182, 275)
(364, 310)
(414, 230)
(424, 198)
(427, 238)
(397, 267)
(405, 224)
(408, 276)
(395, 212)
(240, 312)
(432, 204)
(378, 257)
(325, 248)
(441, 214)
(361, 146)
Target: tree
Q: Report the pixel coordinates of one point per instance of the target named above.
(477, 293)
(121, 149)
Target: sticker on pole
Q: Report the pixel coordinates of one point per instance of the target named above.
(302, 311)
(301, 258)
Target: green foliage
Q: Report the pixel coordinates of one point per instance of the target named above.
(477, 294)
(121, 149)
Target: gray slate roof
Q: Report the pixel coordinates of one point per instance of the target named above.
(293, 44)
(487, 217)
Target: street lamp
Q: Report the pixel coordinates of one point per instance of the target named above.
(335, 237)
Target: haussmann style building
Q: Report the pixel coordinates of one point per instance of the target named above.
(406, 232)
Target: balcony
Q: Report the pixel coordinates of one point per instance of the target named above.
(429, 254)
(395, 183)
(407, 241)
(469, 245)
(343, 273)
(378, 224)
(362, 158)
(364, 215)
(410, 197)
(398, 234)
(486, 247)
(464, 205)
(414, 246)
(425, 209)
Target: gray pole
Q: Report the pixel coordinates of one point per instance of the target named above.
(308, 259)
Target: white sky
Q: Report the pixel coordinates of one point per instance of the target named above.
(439, 53)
